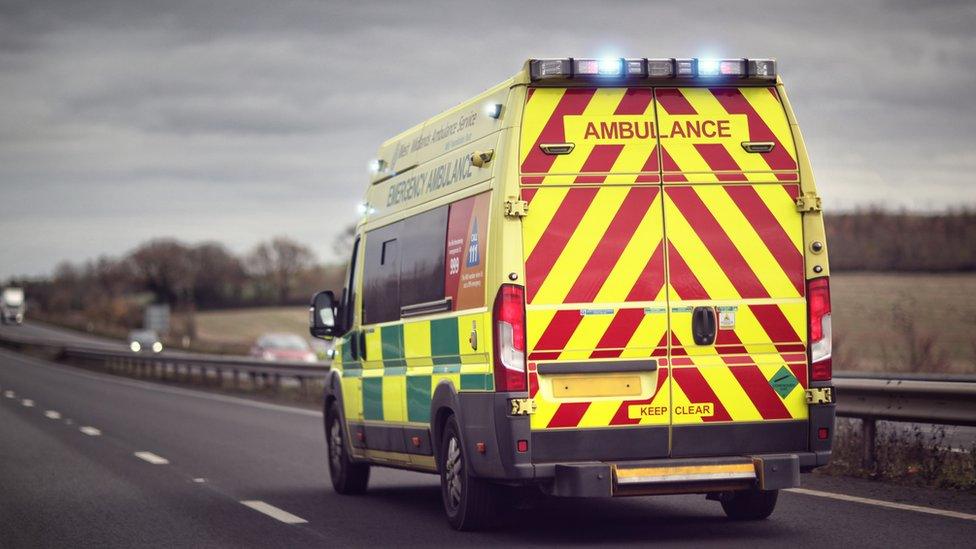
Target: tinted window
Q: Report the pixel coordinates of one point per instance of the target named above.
(422, 265)
(381, 275)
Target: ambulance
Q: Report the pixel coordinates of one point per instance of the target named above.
(601, 278)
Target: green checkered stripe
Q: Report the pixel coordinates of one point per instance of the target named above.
(417, 357)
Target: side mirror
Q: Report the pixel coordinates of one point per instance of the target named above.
(324, 316)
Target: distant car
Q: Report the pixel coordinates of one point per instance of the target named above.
(145, 341)
(285, 347)
(12, 305)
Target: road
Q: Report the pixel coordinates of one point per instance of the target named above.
(70, 476)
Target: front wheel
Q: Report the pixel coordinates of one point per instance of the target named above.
(347, 477)
(467, 499)
(750, 504)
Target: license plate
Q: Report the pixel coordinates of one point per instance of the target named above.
(596, 385)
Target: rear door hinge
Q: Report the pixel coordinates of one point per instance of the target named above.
(516, 208)
(522, 406)
(808, 202)
(820, 395)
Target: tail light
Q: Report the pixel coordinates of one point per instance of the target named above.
(818, 305)
(509, 331)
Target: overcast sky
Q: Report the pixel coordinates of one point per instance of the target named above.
(236, 121)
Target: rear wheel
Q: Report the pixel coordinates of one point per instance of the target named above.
(750, 504)
(347, 477)
(467, 499)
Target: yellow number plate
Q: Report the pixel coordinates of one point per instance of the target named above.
(596, 385)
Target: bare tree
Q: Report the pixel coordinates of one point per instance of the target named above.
(278, 264)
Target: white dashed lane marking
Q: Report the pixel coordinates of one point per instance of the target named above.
(28, 403)
(52, 414)
(151, 458)
(90, 431)
(9, 394)
(881, 503)
(274, 512)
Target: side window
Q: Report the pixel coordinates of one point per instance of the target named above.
(381, 275)
(349, 292)
(422, 269)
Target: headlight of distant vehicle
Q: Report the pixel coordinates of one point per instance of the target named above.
(157, 347)
(135, 346)
(310, 357)
(268, 355)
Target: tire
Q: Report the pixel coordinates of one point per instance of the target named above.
(348, 477)
(750, 504)
(468, 500)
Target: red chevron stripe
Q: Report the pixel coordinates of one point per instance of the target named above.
(682, 279)
(699, 392)
(532, 179)
(568, 414)
(674, 102)
(651, 279)
(734, 102)
(533, 381)
(775, 324)
(770, 232)
(601, 159)
(792, 190)
(719, 244)
(718, 159)
(634, 101)
(800, 371)
(620, 417)
(760, 392)
(528, 94)
(669, 165)
(728, 343)
(611, 246)
(573, 102)
(652, 164)
(618, 333)
(554, 239)
(527, 194)
(559, 330)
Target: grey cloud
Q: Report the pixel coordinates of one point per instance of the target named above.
(238, 119)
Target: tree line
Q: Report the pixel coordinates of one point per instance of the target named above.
(885, 241)
(114, 291)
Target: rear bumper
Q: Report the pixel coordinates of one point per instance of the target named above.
(564, 459)
(675, 476)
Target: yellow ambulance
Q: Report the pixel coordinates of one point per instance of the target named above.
(601, 277)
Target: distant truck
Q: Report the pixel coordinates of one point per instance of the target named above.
(12, 305)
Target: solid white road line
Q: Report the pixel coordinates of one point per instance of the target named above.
(274, 512)
(28, 403)
(90, 431)
(881, 503)
(52, 414)
(151, 458)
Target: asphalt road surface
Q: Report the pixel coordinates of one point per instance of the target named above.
(89, 459)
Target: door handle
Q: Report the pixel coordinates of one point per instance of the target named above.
(758, 146)
(703, 324)
(353, 343)
(557, 148)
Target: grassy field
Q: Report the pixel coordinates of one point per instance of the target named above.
(896, 322)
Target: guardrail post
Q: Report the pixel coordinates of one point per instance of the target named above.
(237, 379)
(220, 377)
(304, 386)
(277, 382)
(869, 435)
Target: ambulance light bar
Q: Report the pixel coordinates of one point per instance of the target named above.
(546, 69)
